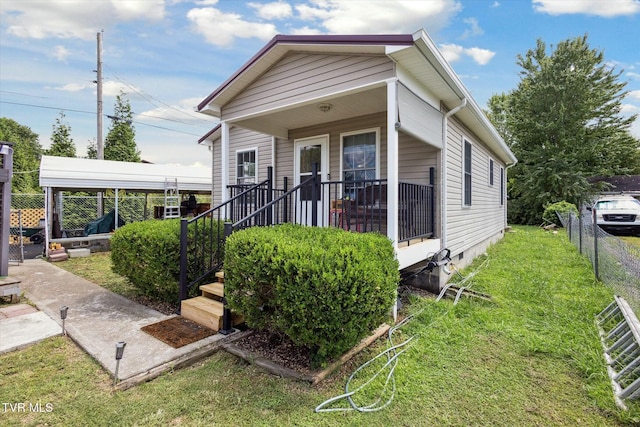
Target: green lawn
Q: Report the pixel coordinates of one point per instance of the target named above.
(531, 357)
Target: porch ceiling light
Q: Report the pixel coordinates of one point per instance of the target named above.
(324, 107)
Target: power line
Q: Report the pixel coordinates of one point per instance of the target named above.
(150, 99)
(93, 112)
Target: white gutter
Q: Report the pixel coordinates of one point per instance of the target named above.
(443, 186)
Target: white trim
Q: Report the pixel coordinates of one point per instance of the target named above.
(257, 170)
(224, 154)
(392, 163)
(359, 132)
(324, 170)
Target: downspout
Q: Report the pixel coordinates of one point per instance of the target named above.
(443, 188)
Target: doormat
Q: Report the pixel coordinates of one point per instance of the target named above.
(178, 331)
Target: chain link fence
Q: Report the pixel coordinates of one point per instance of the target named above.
(616, 263)
(77, 210)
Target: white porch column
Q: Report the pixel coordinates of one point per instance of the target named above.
(392, 162)
(224, 161)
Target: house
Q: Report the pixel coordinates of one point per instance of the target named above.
(399, 144)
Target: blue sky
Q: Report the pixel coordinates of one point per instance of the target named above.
(168, 55)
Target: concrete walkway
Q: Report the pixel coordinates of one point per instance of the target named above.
(97, 319)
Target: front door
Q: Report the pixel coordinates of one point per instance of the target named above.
(307, 152)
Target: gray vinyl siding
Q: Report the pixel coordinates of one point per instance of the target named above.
(468, 226)
(302, 76)
(242, 140)
(217, 173)
(415, 157)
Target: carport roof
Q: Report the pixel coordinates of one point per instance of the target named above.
(68, 173)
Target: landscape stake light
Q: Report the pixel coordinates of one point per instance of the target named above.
(63, 316)
(119, 352)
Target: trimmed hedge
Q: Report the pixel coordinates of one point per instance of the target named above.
(148, 254)
(324, 288)
(551, 211)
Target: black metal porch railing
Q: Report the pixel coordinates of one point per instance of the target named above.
(202, 237)
(359, 206)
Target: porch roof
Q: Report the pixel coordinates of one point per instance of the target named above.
(415, 53)
(97, 175)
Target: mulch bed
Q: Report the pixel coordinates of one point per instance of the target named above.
(177, 331)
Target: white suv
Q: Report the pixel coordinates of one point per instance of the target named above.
(618, 214)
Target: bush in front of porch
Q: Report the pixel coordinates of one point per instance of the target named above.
(148, 254)
(324, 288)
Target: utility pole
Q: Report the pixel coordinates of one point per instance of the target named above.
(99, 144)
(100, 148)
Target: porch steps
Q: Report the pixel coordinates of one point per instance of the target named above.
(208, 309)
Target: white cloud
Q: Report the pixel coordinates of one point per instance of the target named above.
(113, 89)
(276, 10)
(481, 56)
(73, 87)
(61, 53)
(495, 4)
(74, 19)
(379, 17)
(305, 31)
(474, 29)
(607, 9)
(634, 76)
(453, 52)
(182, 112)
(221, 29)
(634, 94)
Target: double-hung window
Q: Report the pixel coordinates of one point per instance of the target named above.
(467, 174)
(246, 167)
(359, 159)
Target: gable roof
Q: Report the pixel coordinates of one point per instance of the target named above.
(415, 53)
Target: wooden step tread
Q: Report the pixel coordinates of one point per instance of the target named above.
(220, 276)
(202, 310)
(215, 288)
(206, 304)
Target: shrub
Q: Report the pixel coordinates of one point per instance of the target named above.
(324, 288)
(148, 254)
(550, 215)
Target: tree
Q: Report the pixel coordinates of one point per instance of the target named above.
(120, 142)
(564, 125)
(26, 155)
(92, 149)
(61, 142)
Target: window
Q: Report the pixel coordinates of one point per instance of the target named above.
(501, 186)
(467, 174)
(490, 171)
(359, 158)
(246, 167)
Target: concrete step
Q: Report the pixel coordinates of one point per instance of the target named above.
(213, 290)
(204, 311)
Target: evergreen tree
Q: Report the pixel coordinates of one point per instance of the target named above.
(120, 142)
(26, 155)
(564, 125)
(61, 142)
(92, 150)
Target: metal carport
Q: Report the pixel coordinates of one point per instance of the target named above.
(59, 174)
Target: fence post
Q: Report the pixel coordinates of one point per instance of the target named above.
(580, 232)
(595, 245)
(314, 195)
(285, 201)
(270, 195)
